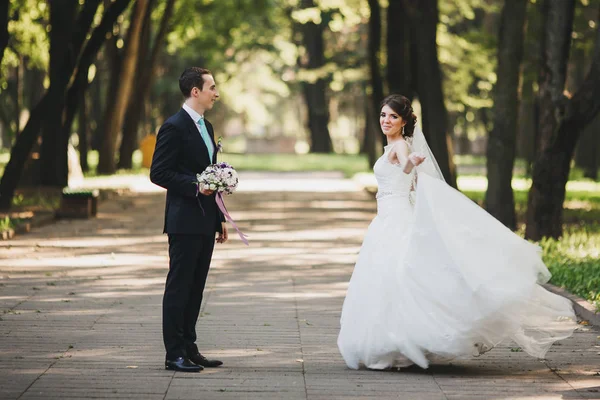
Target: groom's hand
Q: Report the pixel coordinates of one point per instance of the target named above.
(223, 236)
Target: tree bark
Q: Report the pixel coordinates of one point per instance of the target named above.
(19, 83)
(399, 75)
(424, 16)
(315, 92)
(83, 133)
(373, 136)
(587, 153)
(67, 37)
(501, 146)
(561, 120)
(144, 81)
(115, 113)
(129, 136)
(20, 152)
(528, 108)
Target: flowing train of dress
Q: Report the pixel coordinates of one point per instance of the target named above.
(443, 279)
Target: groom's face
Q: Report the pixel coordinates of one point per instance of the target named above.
(208, 95)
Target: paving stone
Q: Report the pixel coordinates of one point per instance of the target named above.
(81, 303)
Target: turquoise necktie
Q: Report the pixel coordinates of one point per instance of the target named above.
(206, 138)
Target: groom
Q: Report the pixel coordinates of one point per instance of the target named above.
(185, 146)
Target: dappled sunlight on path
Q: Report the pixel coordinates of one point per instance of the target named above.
(82, 309)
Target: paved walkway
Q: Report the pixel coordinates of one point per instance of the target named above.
(81, 311)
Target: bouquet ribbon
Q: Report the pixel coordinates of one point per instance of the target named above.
(221, 205)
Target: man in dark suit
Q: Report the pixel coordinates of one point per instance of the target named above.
(185, 146)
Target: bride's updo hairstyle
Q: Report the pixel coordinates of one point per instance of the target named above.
(401, 106)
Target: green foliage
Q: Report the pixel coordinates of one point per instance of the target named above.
(467, 38)
(6, 224)
(38, 201)
(27, 30)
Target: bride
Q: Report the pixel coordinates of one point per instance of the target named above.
(437, 277)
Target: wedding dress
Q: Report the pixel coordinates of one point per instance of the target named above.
(441, 279)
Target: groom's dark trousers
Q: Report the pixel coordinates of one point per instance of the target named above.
(191, 220)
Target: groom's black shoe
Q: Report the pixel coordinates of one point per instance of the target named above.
(183, 365)
(199, 359)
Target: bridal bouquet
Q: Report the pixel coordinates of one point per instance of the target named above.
(221, 178)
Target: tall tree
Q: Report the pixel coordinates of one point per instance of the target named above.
(424, 17)
(373, 136)
(145, 73)
(561, 120)
(29, 135)
(67, 35)
(587, 153)
(315, 88)
(78, 88)
(501, 146)
(115, 112)
(398, 44)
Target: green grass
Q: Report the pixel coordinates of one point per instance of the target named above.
(346, 163)
(574, 260)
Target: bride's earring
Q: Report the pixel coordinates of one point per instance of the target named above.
(402, 130)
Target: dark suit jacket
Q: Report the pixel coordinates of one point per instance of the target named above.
(179, 155)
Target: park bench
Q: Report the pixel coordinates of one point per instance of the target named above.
(78, 203)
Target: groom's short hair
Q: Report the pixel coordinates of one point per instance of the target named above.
(190, 78)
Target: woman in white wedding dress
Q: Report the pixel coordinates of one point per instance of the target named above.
(437, 277)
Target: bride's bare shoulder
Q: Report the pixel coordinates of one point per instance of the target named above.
(399, 147)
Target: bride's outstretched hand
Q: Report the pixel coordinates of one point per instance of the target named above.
(416, 158)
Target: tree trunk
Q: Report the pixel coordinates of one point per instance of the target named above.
(19, 81)
(399, 75)
(83, 133)
(527, 122)
(3, 28)
(501, 146)
(561, 120)
(144, 81)
(67, 37)
(424, 17)
(315, 90)
(80, 82)
(115, 113)
(373, 134)
(34, 86)
(96, 110)
(528, 108)
(53, 161)
(29, 135)
(129, 137)
(587, 153)
(20, 152)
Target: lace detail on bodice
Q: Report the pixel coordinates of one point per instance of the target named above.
(391, 179)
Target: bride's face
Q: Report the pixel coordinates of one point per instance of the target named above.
(391, 123)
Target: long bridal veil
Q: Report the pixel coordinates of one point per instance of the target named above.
(442, 278)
